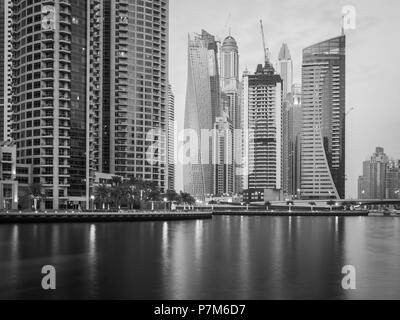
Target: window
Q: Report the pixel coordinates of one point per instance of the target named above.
(7, 156)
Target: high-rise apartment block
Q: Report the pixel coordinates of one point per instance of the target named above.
(381, 177)
(5, 69)
(135, 96)
(89, 91)
(262, 99)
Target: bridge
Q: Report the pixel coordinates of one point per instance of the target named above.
(326, 203)
(373, 202)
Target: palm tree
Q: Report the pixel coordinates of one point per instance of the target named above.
(117, 194)
(116, 181)
(171, 195)
(331, 203)
(131, 193)
(102, 193)
(152, 191)
(37, 193)
(312, 204)
(187, 199)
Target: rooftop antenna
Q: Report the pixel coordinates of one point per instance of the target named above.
(266, 50)
(228, 23)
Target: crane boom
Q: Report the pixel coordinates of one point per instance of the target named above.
(264, 45)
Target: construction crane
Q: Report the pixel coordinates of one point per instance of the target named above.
(266, 50)
(348, 112)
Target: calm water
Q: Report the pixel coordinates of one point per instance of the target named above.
(223, 258)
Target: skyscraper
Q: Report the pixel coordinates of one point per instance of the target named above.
(230, 87)
(229, 64)
(135, 89)
(323, 131)
(5, 69)
(372, 184)
(52, 71)
(89, 92)
(285, 69)
(262, 99)
(381, 177)
(203, 105)
(393, 180)
(223, 156)
(293, 116)
(171, 140)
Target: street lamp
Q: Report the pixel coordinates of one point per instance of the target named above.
(92, 197)
(165, 204)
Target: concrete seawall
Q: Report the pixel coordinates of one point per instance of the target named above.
(100, 217)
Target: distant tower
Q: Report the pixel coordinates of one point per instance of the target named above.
(203, 105)
(262, 99)
(286, 69)
(222, 153)
(293, 123)
(323, 130)
(372, 184)
(229, 64)
(171, 140)
(230, 86)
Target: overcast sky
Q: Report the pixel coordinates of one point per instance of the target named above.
(373, 58)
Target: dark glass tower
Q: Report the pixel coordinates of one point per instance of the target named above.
(323, 131)
(202, 108)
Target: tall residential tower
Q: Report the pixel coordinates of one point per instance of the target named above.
(135, 89)
(230, 87)
(285, 69)
(54, 112)
(5, 69)
(263, 131)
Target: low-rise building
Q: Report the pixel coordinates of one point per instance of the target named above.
(8, 181)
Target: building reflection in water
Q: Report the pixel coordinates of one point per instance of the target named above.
(220, 258)
(244, 257)
(92, 259)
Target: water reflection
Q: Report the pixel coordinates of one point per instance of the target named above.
(222, 258)
(92, 259)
